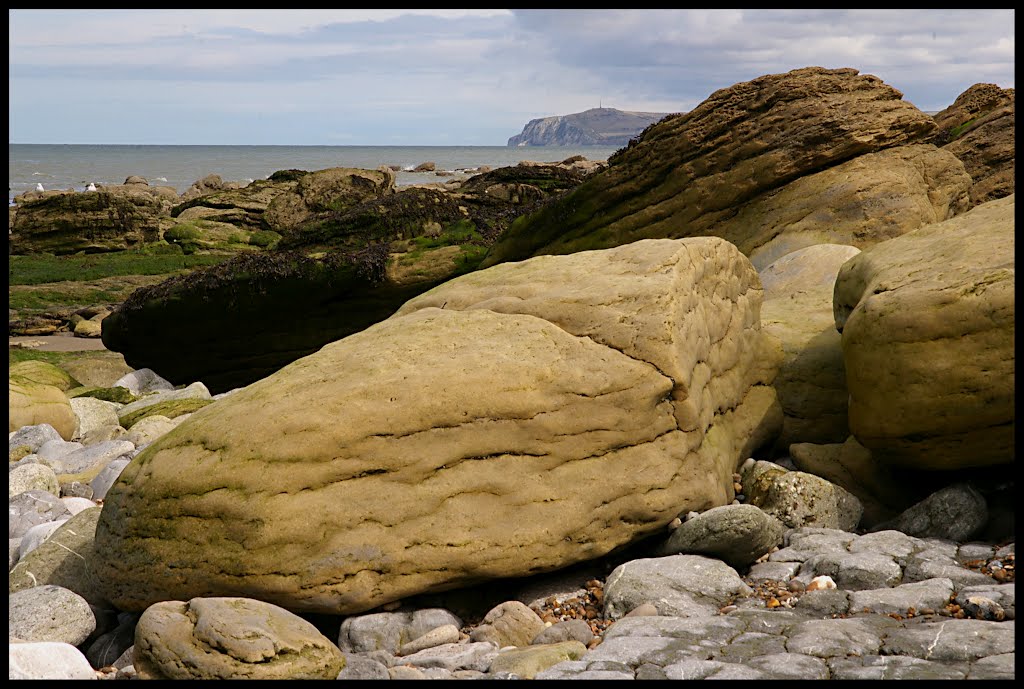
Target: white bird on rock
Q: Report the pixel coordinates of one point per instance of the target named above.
(91, 187)
(39, 187)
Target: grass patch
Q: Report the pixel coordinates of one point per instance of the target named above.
(16, 356)
(71, 296)
(957, 131)
(37, 269)
(470, 258)
(183, 232)
(265, 239)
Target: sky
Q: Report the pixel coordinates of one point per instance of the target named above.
(447, 77)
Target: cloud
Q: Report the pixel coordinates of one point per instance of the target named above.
(688, 54)
(433, 76)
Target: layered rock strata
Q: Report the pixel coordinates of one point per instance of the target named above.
(725, 168)
(618, 391)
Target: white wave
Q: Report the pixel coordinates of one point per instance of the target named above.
(160, 179)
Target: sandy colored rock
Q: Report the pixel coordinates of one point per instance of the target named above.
(979, 129)
(31, 403)
(582, 440)
(866, 200)
(927, 324)
(88, 328)
(97, 370)
(797, 309)
(63, 560)
(44, 373)
(231, 638)
(528, 661)
(511, 623)
(655, 300)
(694, 174)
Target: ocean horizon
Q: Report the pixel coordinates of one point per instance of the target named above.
(75, 166)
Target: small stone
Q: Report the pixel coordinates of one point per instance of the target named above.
(983, 608)
(643, 610)
(820, 583)
(727, 609)
(796, 586)
(675, 524)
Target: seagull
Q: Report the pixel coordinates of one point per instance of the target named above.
(91, 187)
(39, 187)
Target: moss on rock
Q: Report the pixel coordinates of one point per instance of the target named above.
(44, 373)
(117, 394)
(168, 408)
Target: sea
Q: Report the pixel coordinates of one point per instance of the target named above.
(74, 166)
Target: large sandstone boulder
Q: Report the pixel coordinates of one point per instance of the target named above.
(31, 403)
(111, 219)
(979, 129)
(797, 309)
(445, 447)
(927, 324)
(866, 200)
(647, 280)
(693, 174)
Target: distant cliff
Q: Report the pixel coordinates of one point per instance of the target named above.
(594, 127)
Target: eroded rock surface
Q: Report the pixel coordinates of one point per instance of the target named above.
(927, 324)
(716, 170)
(635, 401)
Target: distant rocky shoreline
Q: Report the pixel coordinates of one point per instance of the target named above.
(594, 127)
